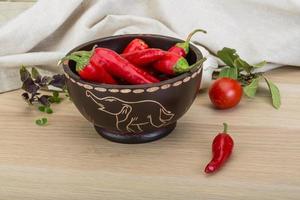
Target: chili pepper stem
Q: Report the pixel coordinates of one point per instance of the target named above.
(188, 39)
(85, 53)
(80, 57)
(182, 66)
(185, 46)
(225, 127)
(199, 62)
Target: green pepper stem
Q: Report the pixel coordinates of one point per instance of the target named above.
(80, 57)
(225, 128)
(85, 53)
(199, 62)
(189, 37)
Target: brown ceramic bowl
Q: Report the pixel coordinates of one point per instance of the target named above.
(134, 113)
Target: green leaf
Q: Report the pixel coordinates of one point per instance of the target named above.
(48, 110)
(55, 94)
(241, 64)
(42, 108)
(41, 122)
(229, 72)
(228, 56)
(275, 94)
(35, 73)
(55, 99)
(24, 73)
(260, 64)
(250, 90)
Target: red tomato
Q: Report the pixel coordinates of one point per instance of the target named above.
(225, 93)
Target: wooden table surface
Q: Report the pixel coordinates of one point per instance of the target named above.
(67, 159)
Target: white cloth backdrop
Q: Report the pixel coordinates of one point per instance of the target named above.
(259, 30)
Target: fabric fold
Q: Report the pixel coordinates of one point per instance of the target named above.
(44, 33)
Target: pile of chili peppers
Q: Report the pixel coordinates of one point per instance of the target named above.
(137, 64)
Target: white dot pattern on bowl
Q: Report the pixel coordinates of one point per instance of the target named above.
(199, 71)
(99, 89)
(114, 90)
(177, 83)
(86, 86)
(152, 89)
(67, 75)
(125, 91)
(135, 91)
(80, 84)
(163, 87)
(186, 79)
(194, 75)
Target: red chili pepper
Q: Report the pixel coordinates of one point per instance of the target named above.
(147, 75)
(172, 64)
(90, 72)
(135, 45)
(221, 148)
(183, 48)
(114, 64)
(121, 68)
(144, 57)
(156, 74)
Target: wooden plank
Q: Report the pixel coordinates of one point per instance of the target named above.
(68, 160)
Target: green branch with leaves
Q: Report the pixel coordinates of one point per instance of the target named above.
(238, 69)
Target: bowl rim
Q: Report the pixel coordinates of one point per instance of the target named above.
(70, 74)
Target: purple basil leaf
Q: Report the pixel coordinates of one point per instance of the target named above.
(25, 95)
(38, 80)
(35, 73)
(32, 99)
(30, 86)
(24, 74)
(44, 100)
(58, 81)
(46, 79)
